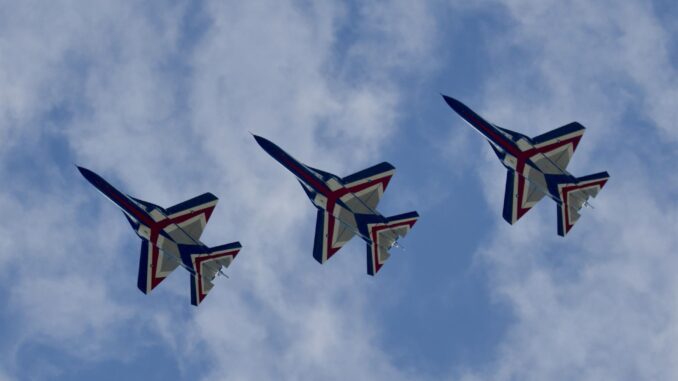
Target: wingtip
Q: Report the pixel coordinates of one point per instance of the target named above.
(211, 195)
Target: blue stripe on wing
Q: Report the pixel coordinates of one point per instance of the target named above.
(318, 240)
(508, 197)
(192, 203)
(558, 132)
(371, 171)
(142, 279)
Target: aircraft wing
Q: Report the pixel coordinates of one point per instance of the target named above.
(520, 196)
(552, 151)
(365, 190)
(366, 187)
(331, 234)
(191, 216)
(207, 266)
(154, 267)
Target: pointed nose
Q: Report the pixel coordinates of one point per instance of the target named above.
(89, 175)
(268, 146)
(455, 104)
(261, 141)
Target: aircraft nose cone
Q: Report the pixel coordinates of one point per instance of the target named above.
(84, 171)
(266, 144)
(90, 176)
(261, 141)
(451, 101)
(457, 106)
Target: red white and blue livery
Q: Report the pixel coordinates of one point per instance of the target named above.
(536, 167)
(171, 238)
(347, 207)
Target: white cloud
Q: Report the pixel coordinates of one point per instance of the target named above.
(60, 271)
(606, 311)
(288, 86)
(167, 134)
(613, 55)
(76, 311)
(599, 304)
(398, 35)
(599, 311)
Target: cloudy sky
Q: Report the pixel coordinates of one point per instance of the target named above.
(159, 98)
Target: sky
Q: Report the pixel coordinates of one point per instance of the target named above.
(159, 98)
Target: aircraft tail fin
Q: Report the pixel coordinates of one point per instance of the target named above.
(574, 195)
(383, 234)
(206, 264)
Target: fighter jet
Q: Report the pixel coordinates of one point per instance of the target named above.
(346, 207)
(171, 238)
(536, 168)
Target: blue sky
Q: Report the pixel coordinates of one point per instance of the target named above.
(159, 99)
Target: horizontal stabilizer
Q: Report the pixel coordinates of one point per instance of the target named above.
(384, 234)
(206, 266)
(574, 195)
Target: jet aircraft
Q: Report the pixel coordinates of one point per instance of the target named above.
(171, 238)
(536, 167)
(347, 207)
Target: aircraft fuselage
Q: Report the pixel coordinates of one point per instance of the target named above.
(515, 151)
(326, 191)
(149, 222)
